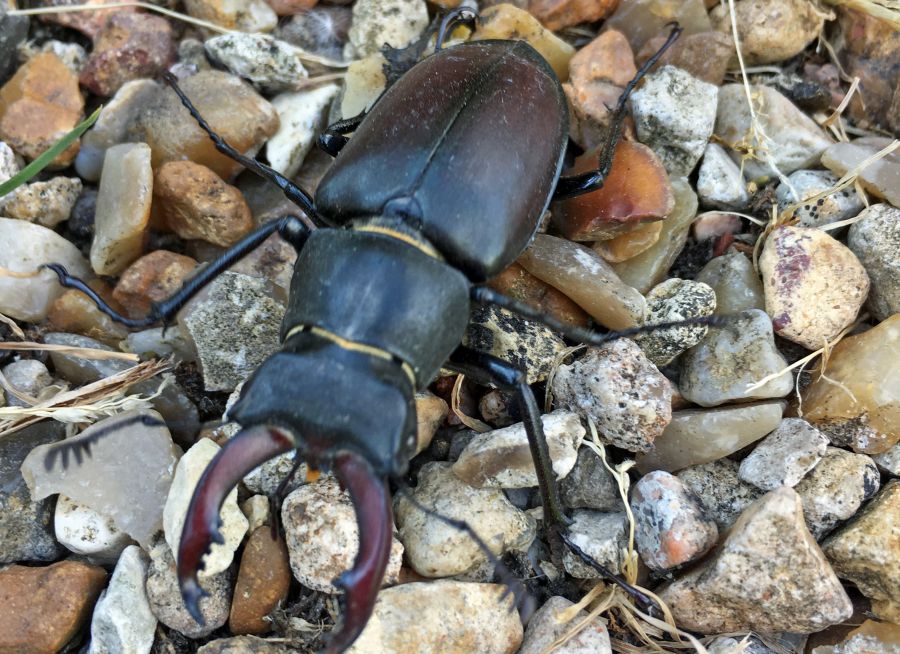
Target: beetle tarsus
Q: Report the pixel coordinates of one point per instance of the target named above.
(83, 444)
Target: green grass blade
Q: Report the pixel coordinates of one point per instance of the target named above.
(48, 155)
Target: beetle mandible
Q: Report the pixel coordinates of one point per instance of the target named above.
(441, 187)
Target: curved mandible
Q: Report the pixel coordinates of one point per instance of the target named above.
(239, 456)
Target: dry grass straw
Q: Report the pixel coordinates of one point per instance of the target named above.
(81, 352)
(472, 423)
(89, 403)
(886, 10)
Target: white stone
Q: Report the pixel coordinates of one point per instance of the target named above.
(23, 247)
(603, 536)
(300, 114)
(85, 531)
(271, 65)
(502, 458)
(785, 456)
(804, 184)
(9, 167)
(234, 524)
(364, 83)
(720, 183)
(322, 535)
(378, 22)
(123, 622)
(256, 510)
(674, 113)
(546, 625)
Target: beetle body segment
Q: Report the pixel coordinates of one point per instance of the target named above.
(467, 147)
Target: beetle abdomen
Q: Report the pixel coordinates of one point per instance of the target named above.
(469, 144)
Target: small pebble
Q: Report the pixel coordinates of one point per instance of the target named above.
(442, 617)
(602, 536)
(263, 581)
(731, 359)
(242, 15)
(266, 478)
(671, 526)
(722, 493)
(45, 607)
(13, 32)
(641, 20)
(870, 636)
(436, 549)
(547, 625)
(247, 645)
(152, 278)
(889, 462)
(76, 313)
(630, 244)
(322, 30)
(271, 65)
(364, 83)
(27, 376)
(300, 116)
(323, 536)
(256, 510)
(737, 285)
(674, 114)
(617, 387)
(720, 183)
(123, 622)
(520, 284)
(768, 575)
(880, 178)
(396, 23)
(431, 411)
(803, 185)
(835, 489)
(72, 55)
(795, 140)
(875, 240)
(696, 436)
(559, 14)
(45, 203)
(84, 531)
(814, 285)
(705, 55)
(672, 301)
(195, 203)
(785, 456)
(590, 485)
(502, 458)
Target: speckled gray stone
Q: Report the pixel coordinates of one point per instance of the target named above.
(378, 22)
(721, 492)
(875, 240)
(270, 64)
(720, 183)
(545, 626)
(735, 282)
(672, 301)
(785, 456)
(603, 536)
(590, 485)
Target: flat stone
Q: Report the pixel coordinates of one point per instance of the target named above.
(865, 550)
(123, 621)
(242, 15)
(270, 64)
(520, 284)
(731, 359)
(705, 55)
(672, 301)
(246, 645)
(123, 208)
(722, 493)
(234, 326)
(814, 285)
(323, 536)
(165, 600)
(794, 140)
(625, 394)
(674, 114)
(44, 608)
(263, 581)
(442, 617)
(584, 276)
(771, 31)
(23, 247)
(630, 244)
(602, 536)
(696, 436)
(396, 23)
(880, 178)
(530, 346)
(875, 240)
(300, 116)
(196, 203)
(436, 549)
(768, 575)
(84, 531)
(642, 20)
(590, 485)
(720, 183)
(794, 199)
(736, 283)
(26, 523)
(127, 476)
(45, 203)
(559, 14)
(785, 456)
(502, 458)
(548, 623)
(835, 489)
(233, 525)
(671, 526)
(152, 278)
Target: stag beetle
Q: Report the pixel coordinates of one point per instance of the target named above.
(440, 188)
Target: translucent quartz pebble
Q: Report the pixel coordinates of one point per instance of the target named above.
(701, 435)
(641, 20)
(869, 637)
(881, 178)
(736, 284)
(862, 386)
(127, 476)
(647, 269)
(580, 273)
(23, 247)
(123, 208)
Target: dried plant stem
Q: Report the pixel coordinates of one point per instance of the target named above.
(470, 422)
(81, 352)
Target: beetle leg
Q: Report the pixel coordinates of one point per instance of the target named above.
(372, 503)
(291, 228)
(293, 192)
(239, 456)
(459, 16)
(575, 185)
(485, 295)
(81, 445)
(334, 138)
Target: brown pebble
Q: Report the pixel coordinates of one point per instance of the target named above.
(636, 191)
(704, 55)
(557, 14)
(90, 23)
(40, 105)
(263, 581)
(130, 46)
(152, 278)
(43, 608)
(520, 284)
(75, 313)
(197, 204)
(630, 244)
(291, 7)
